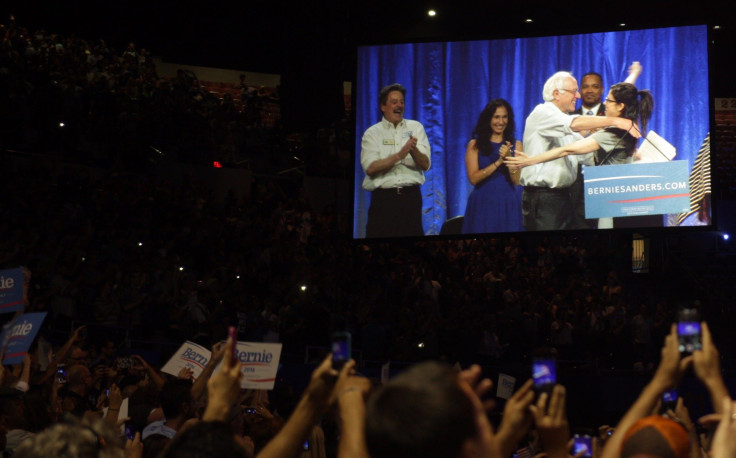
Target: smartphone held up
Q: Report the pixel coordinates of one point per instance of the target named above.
(61, 376)
(341, 349)
(582, 445)
(544, 374)
(689, 336)
(669, 401)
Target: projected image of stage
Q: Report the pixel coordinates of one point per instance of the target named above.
(448, 85)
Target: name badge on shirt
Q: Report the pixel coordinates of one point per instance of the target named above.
(388, 141)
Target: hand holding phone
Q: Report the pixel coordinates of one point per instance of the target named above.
(582, 443)
(341, 349)
(61, 374)
(689, 336)
(129, 431)
(544, 373)
(669, 400)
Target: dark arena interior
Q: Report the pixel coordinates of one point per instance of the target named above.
(172, 171)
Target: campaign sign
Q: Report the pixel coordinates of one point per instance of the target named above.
(637, 189)
(11, 290)
(505, 386)
(189, 355)
(258, 362)
(18, 336)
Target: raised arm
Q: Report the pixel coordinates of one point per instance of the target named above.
(61, 354)
(707, 365)
(724, 441)
(25, 374)
(350, 395)
(521, 160)
(516, 420)
(551, 419)
(223, 388)
(668, 373)
(314, 403)
(477, 388)
(634, 72)
(115, 399)
(154, 374)
(198, 388)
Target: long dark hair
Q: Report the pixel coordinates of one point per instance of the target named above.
(638, 104)
(482, 131)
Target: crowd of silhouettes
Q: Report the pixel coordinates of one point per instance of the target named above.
(85, 99)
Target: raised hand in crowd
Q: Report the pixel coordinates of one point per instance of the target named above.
(223, 388)
(668, 374)
(61, 355)
(314, 402)
(198, 388)
(115, 401)
(551, 419)
(154, 374)
(185, 373)
(707, 365)
(350, 394)
(681, 414)
(517, 418)
(476, 388)
(134, 447)
(724, 440)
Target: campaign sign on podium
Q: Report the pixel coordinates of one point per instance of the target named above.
(636, 189)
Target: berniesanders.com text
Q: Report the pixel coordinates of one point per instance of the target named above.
(648, 187)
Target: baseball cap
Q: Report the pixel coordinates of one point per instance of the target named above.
(656, 436)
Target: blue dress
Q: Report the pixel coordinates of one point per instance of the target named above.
(495, 204)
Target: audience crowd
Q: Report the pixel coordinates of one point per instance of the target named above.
(85, 99)
(128, 266)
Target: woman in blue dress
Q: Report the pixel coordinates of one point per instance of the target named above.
(495, 203)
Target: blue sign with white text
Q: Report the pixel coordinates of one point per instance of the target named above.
(11, 290)
(17, 336)
(656, 188)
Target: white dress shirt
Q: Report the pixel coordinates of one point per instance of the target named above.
(384, 139)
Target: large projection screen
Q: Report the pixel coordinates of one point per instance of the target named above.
(449, 83)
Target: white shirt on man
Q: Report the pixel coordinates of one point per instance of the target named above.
(383, 139)
(548, 127)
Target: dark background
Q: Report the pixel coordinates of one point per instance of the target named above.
(312, 44)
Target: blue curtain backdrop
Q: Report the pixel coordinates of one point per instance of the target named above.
(448, 84)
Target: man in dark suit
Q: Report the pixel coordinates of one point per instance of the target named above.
(591, 91)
